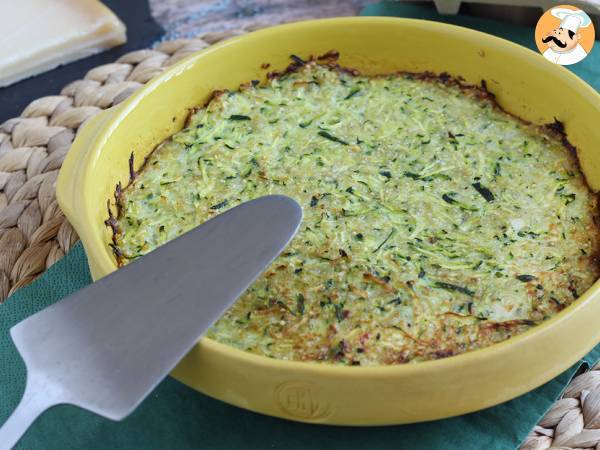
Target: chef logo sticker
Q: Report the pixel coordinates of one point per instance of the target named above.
(564, 35)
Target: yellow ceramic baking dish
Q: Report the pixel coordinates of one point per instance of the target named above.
(524, 83)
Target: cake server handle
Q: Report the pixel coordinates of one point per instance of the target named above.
(36, 399)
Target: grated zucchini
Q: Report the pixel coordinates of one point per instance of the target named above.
(435, 223)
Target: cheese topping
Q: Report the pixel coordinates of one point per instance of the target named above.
(434, 222)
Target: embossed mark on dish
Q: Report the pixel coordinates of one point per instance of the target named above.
(301, 400)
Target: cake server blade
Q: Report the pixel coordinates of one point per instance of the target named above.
(107, 346)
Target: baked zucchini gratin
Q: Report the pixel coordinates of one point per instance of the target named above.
(434, 222)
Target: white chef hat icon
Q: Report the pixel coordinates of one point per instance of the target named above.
(571, 19)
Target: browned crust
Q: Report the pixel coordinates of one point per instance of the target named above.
(330, 59)
(113, 219)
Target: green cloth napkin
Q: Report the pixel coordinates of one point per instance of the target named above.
(176, 417)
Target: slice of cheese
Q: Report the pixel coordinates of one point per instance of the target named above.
(39, 35)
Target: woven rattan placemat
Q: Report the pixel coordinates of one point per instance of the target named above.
(34, 233)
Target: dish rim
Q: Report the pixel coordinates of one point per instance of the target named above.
(114, 116)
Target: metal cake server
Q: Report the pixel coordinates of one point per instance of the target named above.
(107, 346)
